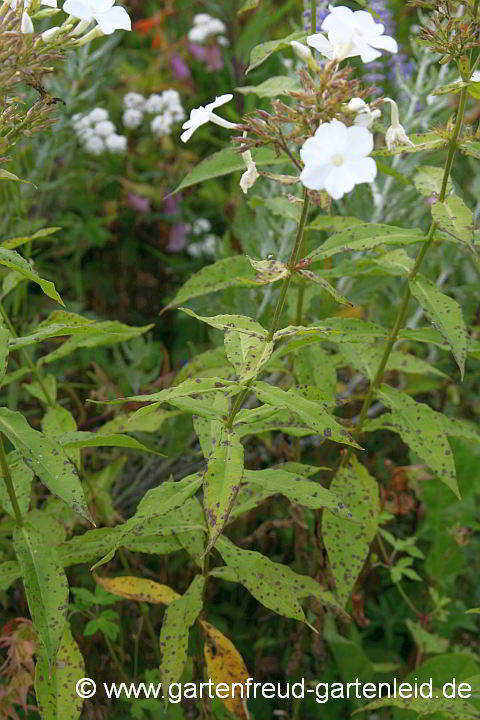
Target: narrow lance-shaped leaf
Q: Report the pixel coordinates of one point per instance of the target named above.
(47, 459)
(348, 543)
(56, 691)
(298, 489)
(15, 261)
(272, 87)
(365, 237)
(314, 414)
(46, 586)
(446, 315)
(263, 51)
(455, 218)
(274, 585)
(221, 481)
(232, 271)
(179, 617)
(311, 277)
(247, 353)
(22, 477)
(4, 339)
(137, 588)
(422, 429)
(226, 665)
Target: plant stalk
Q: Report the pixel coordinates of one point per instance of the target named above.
(7, 476)
(402, 312)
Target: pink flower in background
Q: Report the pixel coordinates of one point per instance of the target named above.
(179, 68)
(138, 202)
(171, 203)
(177, 240)
(210, 55)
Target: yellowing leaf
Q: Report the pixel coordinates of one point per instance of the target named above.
(136, 588)
(225, 665)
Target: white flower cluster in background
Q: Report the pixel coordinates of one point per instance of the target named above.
(166, 108)
(97, 133)
(205, 247)
(205, 26)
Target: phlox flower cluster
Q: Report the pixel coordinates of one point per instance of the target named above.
(166, 109)
(206, 26)
(97, 133)
(206, 247)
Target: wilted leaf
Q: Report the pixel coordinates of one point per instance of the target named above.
(225, 665)
(137, 588)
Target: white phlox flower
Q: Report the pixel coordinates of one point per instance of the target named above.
(116, 143)
(350, 34)
(201, 115)
(161, 125)
(204, 26)
(154, 104)
(104, 128)
(133, 100)
(475, 76)
(335, 159)
(395, 134)
(94, 145)
(365, 115)
(97, 115)
(109, 17)
(201, 225)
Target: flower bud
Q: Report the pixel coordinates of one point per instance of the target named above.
(356, 104)
(50, 34)
(26, 26)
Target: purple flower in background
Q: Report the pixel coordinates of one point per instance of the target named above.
(386, 69)
(171, 203)
(179, 68)
(209, 54)
(138, 202)
(322, 12)
(177, 240)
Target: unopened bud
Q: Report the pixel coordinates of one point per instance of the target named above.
(26, 26)
(303, 53)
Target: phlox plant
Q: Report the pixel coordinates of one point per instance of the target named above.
(325, 150)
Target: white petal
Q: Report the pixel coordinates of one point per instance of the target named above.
(187, 134)
(366, 24)
(221, 100)
(116, 18)
(337, 136)
(385, 42)
(367, 53)
(338, 182)
(50, 3)
(78, 9)
(362, 171)
(359, 142)
(322, 44)
(101, 6)
(339, 16)
(313, 176)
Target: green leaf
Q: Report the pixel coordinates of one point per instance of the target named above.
(471, 148)
(47, 459)
(82, 439)
(268, 271)
(336, 223)
(22, 478)
(369, 359)
(334, 330)
(273, 584)
(455, 218)
(232, 271)
(365, 237)
(221, 481)
(263, 51)
(56, 694)
(421, 428)
(248, 5)
(15, 242)
(347, 543)
(247, 353)
(397, 261)
(428, 643)
(6, 175)
(311, 277)
(225, 162)
(240, 323)
(350, 658)
(445, 314)
(156, 502)
(46, 586)
(298, 490)
(14, 261)
(428, 180)
(9, 572)
(36, 390)
(315, 365)
(315, 415)
(104, 333)
(451, 88)
(282, 206)
(421, 143)
(179, 617)
(58, 420)
(455, 709)
(273, 87)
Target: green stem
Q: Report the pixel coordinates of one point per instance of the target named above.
(313, 26)
(7, 476)
(407, 600)
(402, 312)
(240, 399)
(28, 359)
